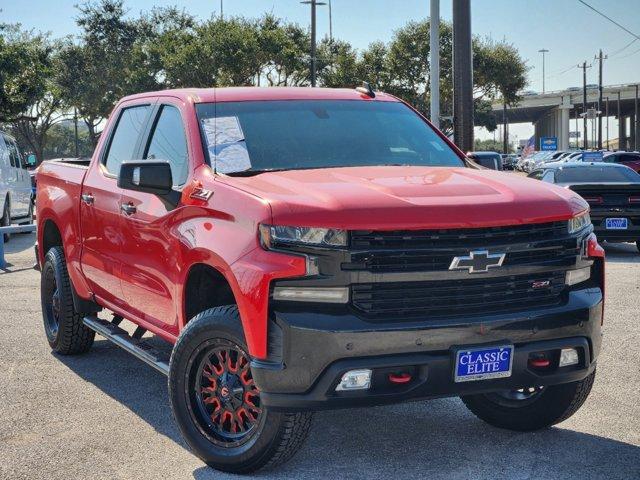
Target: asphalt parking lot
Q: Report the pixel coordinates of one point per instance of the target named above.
(106, 415)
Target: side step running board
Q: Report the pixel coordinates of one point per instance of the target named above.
(137, 347)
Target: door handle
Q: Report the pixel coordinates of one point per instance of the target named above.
(128, 208)
(87, 198)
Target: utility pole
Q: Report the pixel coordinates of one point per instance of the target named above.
(434, 64)
(462, 75)
(600, 92)
(330, 23)
(314, 4)
(221, 10)
(75, 130)
(543, 51)
(584, 102)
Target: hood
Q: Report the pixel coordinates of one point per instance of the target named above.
(384, 198)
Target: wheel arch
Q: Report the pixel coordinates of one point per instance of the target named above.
(205, 286)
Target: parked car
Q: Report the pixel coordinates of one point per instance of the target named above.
(612, 191)
(629, 159)
(15, 185)
(492, 160)
(302, 249)
(509, 161)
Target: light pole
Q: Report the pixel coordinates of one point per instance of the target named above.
(434, 63)
(314, 4)
(543, 51)
(462, 75)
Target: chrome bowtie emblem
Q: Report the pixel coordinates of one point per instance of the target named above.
(478, 261)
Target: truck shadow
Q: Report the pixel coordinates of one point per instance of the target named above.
(435, 439)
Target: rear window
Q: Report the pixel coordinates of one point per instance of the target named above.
(274, 135)
(595, 174)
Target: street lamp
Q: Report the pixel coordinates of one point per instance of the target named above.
(313, 4)
(543, 51)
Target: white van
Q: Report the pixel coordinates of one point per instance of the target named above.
(16, 204)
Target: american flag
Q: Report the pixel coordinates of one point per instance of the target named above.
(529, 148)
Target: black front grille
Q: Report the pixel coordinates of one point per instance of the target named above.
(468, 238)
(398, 301)
(544, 244)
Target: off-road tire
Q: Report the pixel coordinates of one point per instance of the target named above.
(277, 437)
(5, 221)
(71, 337)
(554, 405)
(638, 245)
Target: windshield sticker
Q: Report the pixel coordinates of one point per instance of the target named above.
(225, 141)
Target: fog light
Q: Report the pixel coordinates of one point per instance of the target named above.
(312, 294)
(355, 380)
(578, 276)
(568, 356)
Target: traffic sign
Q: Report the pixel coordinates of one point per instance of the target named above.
(549, 143)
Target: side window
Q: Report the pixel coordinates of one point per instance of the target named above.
(14, 157)
(548, 176)
(124, 140)
(168, 142)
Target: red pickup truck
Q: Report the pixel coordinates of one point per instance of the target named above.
(302, 249)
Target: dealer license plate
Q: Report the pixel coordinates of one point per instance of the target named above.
(483, 363)
(616, 224)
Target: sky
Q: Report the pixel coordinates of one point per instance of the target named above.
(570, 31)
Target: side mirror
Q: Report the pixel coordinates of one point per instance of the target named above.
(31, 160)
(149, 176)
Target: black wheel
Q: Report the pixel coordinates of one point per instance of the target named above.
(530, 408)
(638, 245)
(217, 404)
(5, 221)
(65, 331)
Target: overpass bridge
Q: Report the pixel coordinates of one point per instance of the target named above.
(553, 114)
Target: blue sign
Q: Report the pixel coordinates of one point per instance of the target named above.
(592, 156)
(548, 143)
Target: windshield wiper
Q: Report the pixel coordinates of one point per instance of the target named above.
(256, 171)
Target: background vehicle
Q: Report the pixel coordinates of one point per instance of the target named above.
(629, 159)
(612, 191)
(15, 185)
(509, 161)
(304, 249)
(492, 160)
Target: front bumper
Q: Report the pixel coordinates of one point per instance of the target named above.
(308, 361)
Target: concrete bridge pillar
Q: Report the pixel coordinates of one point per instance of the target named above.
(564, 111)
(633, 139)
(622, 132)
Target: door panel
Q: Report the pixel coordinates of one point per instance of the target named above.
(148, 282)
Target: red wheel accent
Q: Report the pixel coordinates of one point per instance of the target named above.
(227, 395)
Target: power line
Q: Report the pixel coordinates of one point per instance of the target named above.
(620, 50)
(610, 19)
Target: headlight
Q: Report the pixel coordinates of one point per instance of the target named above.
(579, 222)
(273, 236)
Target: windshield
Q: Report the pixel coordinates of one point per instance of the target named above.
(592, 174)
(283, 135)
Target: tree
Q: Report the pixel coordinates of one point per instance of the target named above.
(32, 128)
(24, 60)
(97, 72)
(401, 68)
